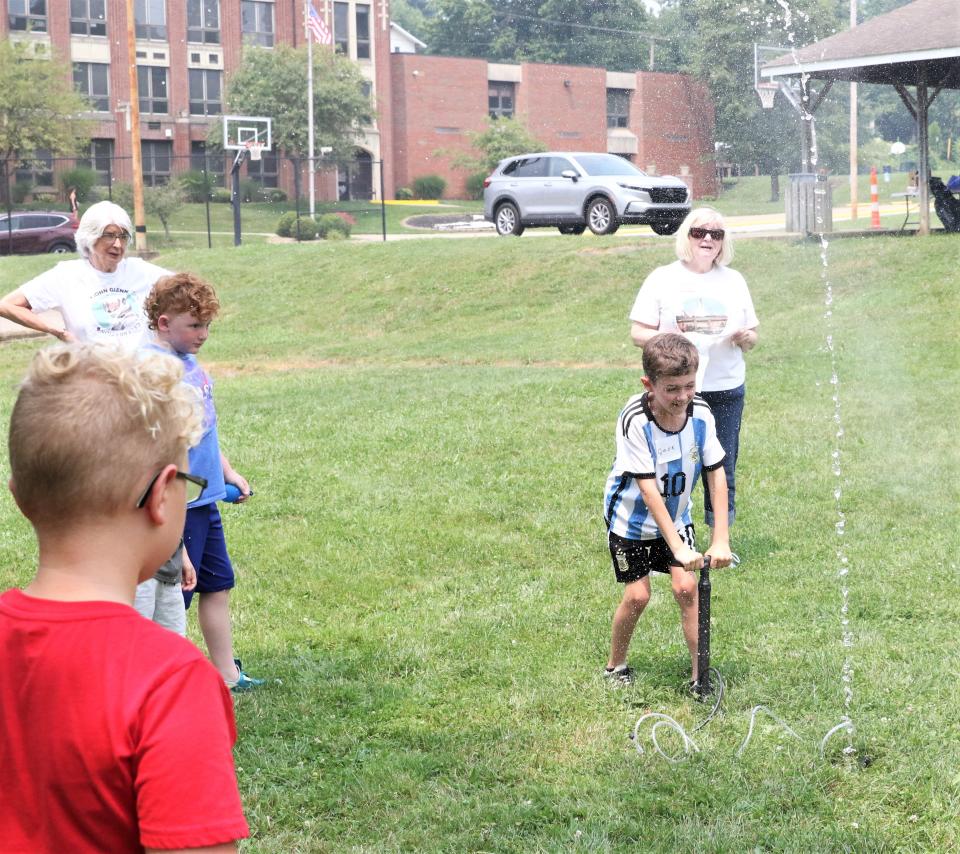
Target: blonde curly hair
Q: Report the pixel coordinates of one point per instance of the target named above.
(92, 425)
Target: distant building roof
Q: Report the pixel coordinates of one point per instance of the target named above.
(922, 37)
(403, 42)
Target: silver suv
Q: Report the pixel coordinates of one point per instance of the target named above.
(578, 190)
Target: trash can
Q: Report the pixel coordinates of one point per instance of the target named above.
(809, 206)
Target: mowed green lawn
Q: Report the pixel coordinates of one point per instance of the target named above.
(424, 578)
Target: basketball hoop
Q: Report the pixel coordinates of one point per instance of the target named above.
(767, 92)
(254, 149)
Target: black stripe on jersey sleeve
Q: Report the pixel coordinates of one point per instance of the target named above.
(630, 413)
(716, 465)
(621, 486)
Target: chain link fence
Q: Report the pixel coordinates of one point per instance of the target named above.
(260, 192)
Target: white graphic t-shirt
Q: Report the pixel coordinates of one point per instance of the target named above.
(97, 307)
(706, 307)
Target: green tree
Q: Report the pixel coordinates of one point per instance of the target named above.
(501, 138)
(409, 16)
(716, 46)
(606, 33)
(274, 83)
(162, 201)
(39, 108)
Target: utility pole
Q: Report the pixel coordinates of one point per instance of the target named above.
(853, 128)
(139, 217)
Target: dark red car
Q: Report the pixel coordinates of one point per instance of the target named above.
(37, 231)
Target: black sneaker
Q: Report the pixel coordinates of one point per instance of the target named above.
(620, 675)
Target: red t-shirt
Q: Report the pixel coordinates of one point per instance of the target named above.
(115, 734)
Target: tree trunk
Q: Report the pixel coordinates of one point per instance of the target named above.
(774, 187)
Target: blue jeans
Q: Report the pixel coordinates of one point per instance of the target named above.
(727, 407)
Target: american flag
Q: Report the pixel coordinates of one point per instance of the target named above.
(318, 27)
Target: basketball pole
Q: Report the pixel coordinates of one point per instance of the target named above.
(235, 195)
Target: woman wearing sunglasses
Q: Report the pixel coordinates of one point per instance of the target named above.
(100, 294)
(701, 297)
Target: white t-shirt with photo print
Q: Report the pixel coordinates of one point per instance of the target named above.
(97, 307)
(708, 307)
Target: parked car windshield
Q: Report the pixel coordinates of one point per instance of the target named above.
(607, 164)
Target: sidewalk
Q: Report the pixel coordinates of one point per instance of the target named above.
(10, 331)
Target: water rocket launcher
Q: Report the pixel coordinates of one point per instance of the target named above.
(702, 687)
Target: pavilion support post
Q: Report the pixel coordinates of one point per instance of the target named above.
(923, 167)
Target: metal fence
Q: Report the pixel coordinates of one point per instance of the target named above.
(354, 188)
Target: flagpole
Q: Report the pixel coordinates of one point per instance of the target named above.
(310, 165)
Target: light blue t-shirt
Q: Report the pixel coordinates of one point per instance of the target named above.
(204, 457)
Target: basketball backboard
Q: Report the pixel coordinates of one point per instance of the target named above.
(240, 131)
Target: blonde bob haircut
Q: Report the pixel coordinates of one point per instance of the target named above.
(94, 222)
(698, 217)
(92, 425)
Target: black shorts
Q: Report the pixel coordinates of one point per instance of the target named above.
(636, 559)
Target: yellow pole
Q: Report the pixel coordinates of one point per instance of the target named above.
(139, 217)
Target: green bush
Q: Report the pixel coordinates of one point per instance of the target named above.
(197, 186)
(287, 226)
(475, 185)
(20, 191)
(429, 187)
(308, 228)
(404, 194)
(285, 223)
(274, 196)
(330, 224)
(249, 191)
(81, 179)
(220, 195)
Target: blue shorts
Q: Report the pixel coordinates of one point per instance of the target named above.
(203, 537)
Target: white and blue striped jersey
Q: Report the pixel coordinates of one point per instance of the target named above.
(675, 459)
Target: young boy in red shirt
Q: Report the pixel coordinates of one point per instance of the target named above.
(115, 733)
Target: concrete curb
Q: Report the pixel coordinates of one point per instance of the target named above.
(10, 331)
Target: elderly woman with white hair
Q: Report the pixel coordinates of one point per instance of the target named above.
(99, 295)
(699, 296)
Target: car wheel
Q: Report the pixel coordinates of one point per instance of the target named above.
(665, 227)
(60, 248)
(601, 216)
(571, 229)
(507, 220)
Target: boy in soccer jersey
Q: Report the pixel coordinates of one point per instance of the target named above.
(664, 437)
(115, 733)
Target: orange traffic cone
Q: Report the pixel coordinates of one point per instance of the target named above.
(874, 199)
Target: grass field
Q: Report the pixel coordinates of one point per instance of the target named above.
(423, 571)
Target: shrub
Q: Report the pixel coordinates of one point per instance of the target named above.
(274, 196)
(285, 222)
(404, 194)
(197, 186)
(81, 179)
(249, 190)
(429, 187)
(308, 228)
(475, 185)
(221, 195)
(330, 226)
(20, 191)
